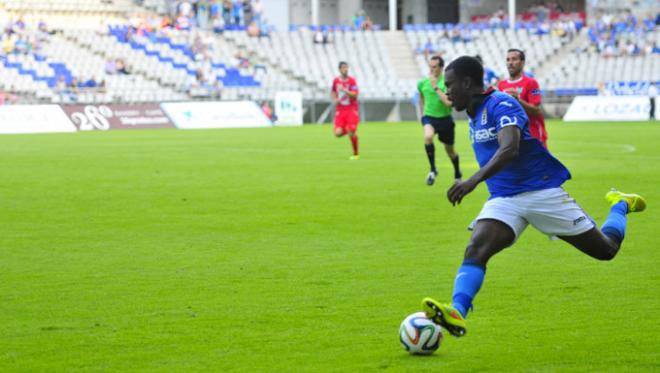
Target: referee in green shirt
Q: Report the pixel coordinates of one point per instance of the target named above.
(435, 108)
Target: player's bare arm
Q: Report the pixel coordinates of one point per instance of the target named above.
(530, 109)
(443, 96)
(351, 94)
(509, 142)
(421, 104)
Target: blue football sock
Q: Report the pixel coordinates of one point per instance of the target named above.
(468, 281)
(615, 224)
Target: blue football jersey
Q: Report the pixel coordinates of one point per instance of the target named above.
(534, 168)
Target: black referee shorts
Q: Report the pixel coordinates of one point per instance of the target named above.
(444, 127)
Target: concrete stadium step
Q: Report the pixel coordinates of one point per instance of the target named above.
(401, 55)
(564, 52)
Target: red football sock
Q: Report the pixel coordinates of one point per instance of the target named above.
(354, 141)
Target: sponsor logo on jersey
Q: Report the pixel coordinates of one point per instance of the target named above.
(483, 135)
(484, 118)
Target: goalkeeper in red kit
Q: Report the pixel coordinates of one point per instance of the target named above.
(344, 95)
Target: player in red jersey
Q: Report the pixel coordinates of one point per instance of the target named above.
(526, 90)
(344, 95)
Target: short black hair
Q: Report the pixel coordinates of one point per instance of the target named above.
(520, 52)
(441, 62)
(481, 60)
(342, 63)
(466, 66)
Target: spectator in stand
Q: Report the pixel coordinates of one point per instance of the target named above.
(185, 8)
(490, 76)
(43, 28)
(427, 49)
(247, 12)
(653, 94)
(19, 26)
(455, 35)
(253, 30)
(202, 12)
(8, 97)
(655, 49)
(318, 37)
(122, 68)
(8, 44)
(358, 20)
(203, 85)
(198, 48)
(241, 61)
(12, 96)
(218, 23)
(166, 23)
(21, 46)
(182, 23)
(368, 24)
(90, 83)
(237, 12)
(266, 29)
(227, 11)
(257, 11)
(602, 89)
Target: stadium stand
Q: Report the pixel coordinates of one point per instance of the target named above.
(316, 64)
(623, 50)
(159, 61)
(451, 41)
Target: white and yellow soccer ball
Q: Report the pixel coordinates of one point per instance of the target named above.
(419, 335)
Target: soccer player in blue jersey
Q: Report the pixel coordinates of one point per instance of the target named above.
(524, 181)
(490, 76)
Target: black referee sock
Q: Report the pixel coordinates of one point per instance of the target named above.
(457, 169)
(430, 153)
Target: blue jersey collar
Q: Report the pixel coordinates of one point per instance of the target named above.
(479, 100)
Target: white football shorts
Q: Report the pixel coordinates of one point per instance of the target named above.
(551, 211)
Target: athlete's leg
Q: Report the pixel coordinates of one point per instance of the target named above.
(429, 133)
(604, 243)
(339, 131)
(453, 156)
(354, 140)
(446, 135)
(489, 237)
(595, 244)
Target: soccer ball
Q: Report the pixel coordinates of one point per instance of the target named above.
(419, 335)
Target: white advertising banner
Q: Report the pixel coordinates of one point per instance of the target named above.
(289, 108)
(34, 119)
(608, 108)
(218, 114)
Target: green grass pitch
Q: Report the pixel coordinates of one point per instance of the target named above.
(267, 250)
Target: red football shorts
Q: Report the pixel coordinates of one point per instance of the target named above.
(347, 120)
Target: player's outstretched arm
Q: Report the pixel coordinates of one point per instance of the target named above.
(509, 143)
